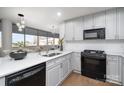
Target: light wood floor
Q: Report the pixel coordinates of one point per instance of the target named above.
(78, 80)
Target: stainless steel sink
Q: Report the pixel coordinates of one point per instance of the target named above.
(52, 54)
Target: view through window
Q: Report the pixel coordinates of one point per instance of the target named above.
(50, 41)
(31, 40)
(17, 40)
(56, 41)
(42, 40)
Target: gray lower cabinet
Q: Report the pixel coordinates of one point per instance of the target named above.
(57, 70)
(114, 68)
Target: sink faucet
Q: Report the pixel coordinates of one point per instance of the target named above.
(47, 50)
(39, 50)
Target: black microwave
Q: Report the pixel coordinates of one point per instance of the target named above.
(98, 33)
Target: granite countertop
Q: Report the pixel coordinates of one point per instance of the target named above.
(9, 66)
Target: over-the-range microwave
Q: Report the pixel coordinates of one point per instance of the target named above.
(98, 33)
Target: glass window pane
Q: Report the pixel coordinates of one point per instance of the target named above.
(50, 41)
(31, 40)
(17, 40)
(0, 39)
(56, 41)
(42, 40)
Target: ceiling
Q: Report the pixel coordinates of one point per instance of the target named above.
(45, 17)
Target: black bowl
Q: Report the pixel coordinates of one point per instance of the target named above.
(18, 55)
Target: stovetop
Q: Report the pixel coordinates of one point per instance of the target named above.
(94, 54)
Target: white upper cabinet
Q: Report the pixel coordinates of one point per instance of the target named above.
(99, 20)
(120, 23)
(78, 28)
(62, 30)
(88, 22)
(111, 24)
(112, 20)
(69, 30)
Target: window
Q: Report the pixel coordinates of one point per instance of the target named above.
(0, 40)
(56, 41)
(42, 40)
(50, 41)
(31, 40)
(31, 37)
(17, 40)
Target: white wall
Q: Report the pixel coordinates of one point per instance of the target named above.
(109, 46)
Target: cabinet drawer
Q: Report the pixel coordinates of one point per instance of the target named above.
(54, 62)
(50, 63)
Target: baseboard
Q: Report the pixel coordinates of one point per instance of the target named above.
(112, 81)
(64, 79)
(76, 71)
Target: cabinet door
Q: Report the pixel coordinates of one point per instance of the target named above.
(54, 76)
(70, 66)
(111, 24)
(120, 23)
(62, 30)
(2, 81)
(120, 63)
(99, 20)
(113, 68)
(88, 22)
(122, 70)
(77, 62)
(78, 28)
(69, 29)
(65, 68)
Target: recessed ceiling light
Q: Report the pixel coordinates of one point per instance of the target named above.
(59, 13)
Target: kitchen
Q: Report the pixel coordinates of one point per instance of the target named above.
(88, 45)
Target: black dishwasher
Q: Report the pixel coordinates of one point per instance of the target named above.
(33, 76)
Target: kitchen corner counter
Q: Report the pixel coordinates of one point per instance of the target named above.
(9, 66)
(116, 53)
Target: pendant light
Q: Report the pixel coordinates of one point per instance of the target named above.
(21, 23)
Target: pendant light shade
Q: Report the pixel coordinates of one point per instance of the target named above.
(21, 23)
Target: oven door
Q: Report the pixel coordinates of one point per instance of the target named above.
(94, 68)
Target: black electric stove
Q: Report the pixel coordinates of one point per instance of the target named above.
(93, 64)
